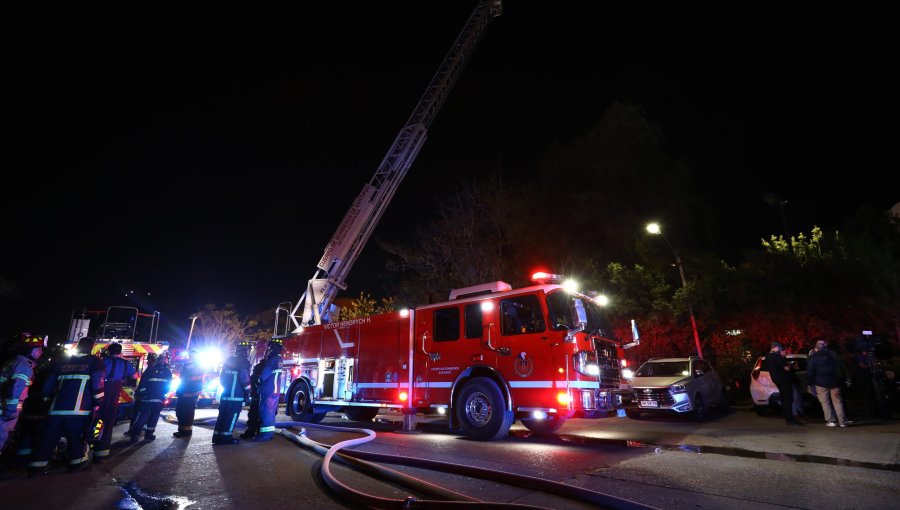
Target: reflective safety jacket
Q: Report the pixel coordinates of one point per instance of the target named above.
(235, 379)
(270, 380)
(76, 384)
(191, 380)
(15, 378)
(154, 384)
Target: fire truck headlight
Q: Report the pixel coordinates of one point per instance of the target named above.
(570, 285)
(627, 373)
(539, 415)
(593, 370)
(563, 398)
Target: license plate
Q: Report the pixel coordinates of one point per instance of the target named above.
(649, 403)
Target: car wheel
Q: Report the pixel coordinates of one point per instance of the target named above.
(634, 415)
(699, 408)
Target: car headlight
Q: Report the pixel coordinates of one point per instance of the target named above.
(627, 373)
(677, 388)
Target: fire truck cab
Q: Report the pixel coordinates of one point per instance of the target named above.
(135, 330)
(487, 357)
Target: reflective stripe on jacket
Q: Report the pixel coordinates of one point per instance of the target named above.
(235, 379)
(15, 378)
(76, 385)
(270, 380)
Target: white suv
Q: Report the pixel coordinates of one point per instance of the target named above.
(676, 385)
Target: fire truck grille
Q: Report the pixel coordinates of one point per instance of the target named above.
(659, 395)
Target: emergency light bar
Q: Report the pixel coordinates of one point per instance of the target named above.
(545, 278)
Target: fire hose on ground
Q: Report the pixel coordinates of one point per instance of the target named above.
(450, 499)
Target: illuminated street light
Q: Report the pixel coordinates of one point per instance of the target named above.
(654, 229)
(191, 333)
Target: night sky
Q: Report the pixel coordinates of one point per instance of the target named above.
(209, 160)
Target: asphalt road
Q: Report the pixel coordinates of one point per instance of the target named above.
(735, 460)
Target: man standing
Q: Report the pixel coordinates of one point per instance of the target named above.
(187, 393)
(150, 395)
(117, 371)
(76, 383)
(15, 378)
(253, 410)
(235, 381)
(825, 373)
(781, 374)
(270, 383)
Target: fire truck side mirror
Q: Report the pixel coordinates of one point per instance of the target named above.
(581, 316)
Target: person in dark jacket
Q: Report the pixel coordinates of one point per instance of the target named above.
(118, 371)
(780, 371)
(76, 384)
(34, 412)
(253, 423)
(235, 381)
(15, 378)
(270, 383)
(825, 374)
(188, 392)
(150, 396)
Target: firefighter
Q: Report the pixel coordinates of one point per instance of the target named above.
(187, 393)
(253, 411)
(269, 390)
(235, 379)
(150, 395)
(34, 410)
(117, 371)
(15, 378)
(76, 384)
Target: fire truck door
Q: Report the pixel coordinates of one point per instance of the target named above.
(446, 344)
(523, 350)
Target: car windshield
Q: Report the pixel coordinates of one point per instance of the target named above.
(663, 369)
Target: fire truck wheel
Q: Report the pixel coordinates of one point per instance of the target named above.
(482, 410)
(544, 427)
(361, 413)
(298, 404)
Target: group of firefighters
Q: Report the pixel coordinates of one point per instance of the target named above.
(76, 397)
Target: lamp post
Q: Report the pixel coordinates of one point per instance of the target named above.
(654, 229)
(191, 332)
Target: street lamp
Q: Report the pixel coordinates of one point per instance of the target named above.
(654, 229)
(191, 332)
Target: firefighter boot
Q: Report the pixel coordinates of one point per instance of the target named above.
(182, 433)
(250, 434)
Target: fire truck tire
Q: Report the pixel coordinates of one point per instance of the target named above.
(298, 404)
(361, 413)
(544, 427)
(482, 410)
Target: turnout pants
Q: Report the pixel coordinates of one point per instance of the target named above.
(108, 413)
(145, 418)
(6, 430)
(184, 411)
(229, 410)
(253, 416)
(268, 406)
(74, 429)
(28, 438)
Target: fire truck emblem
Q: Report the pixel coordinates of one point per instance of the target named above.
(524, 365)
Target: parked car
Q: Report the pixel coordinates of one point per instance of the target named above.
(765, 395)
(676, 385)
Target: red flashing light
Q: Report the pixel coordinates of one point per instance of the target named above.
(624, 363)
(404, 396)
(543, 277)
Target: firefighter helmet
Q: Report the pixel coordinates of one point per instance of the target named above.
(34, 341)
(276, 344)
(242, 345)
(151, 357)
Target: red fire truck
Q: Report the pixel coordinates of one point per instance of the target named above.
(488, 356)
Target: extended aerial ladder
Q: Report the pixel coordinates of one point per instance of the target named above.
(360, 221)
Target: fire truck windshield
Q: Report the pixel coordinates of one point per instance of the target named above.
(561, 305)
